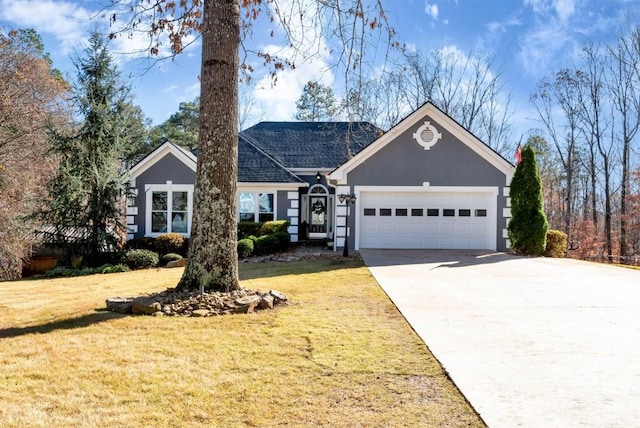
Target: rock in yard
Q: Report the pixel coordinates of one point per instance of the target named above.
(288, 259)
(278, 296)
(121, 305)
(266, 301)
(200, 313)
(177, 263)
(247, 304)
(145, 306)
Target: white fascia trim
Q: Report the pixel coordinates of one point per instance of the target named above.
(271, 186)
(493, 190)
(322, 169)
(309, 171)
(428, 109)
(189, 159)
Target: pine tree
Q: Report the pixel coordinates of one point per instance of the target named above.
(527, 229)
(91, 179)
(317, 103)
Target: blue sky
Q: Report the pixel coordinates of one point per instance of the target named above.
(528, 40)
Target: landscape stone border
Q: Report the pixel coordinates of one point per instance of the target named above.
(193, 304)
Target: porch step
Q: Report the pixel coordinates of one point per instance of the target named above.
(315, 243)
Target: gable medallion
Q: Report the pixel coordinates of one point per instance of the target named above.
(427, 135)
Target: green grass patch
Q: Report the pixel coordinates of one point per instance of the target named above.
(339, 355)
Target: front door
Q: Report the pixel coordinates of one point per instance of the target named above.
(318, 220)
(318, 212)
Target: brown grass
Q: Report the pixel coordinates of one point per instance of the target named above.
(339, 356)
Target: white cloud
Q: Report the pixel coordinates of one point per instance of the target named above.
(564, 8)
(308, 50)
(170, 88)
(66, 21)
(542, 48)
(70, 24)
(503, 26)
(279, 100)
(431, 10)
(538, 6)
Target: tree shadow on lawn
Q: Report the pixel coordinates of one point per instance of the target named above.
(273, 269)
(66, 324)
(440, 258)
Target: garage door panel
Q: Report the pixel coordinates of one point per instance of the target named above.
(468, 228)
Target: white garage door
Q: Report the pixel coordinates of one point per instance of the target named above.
(427, 220)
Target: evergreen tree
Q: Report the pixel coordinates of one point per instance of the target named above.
(138, 129)
(527, 229)
(316, 103)
(181, 128)
(91, 180)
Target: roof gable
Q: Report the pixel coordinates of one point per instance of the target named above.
(427, 109)
(320, 145)
(184, 155)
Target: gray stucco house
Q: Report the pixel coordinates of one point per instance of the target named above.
(426, 183)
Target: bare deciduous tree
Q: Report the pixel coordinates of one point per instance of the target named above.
(563, 91)
(30, 96)
(624, 89)
(593, 116)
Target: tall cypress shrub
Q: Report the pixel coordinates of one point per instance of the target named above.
(527, 229)
(91, 178)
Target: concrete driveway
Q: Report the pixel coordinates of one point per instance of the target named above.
(530, 342)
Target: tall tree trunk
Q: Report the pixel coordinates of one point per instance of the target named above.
(623, 198)
(594, 182)
(607, 208)
(568, 213)
(213, 259)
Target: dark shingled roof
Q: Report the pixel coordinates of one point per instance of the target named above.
(311, 144)
(255, 166)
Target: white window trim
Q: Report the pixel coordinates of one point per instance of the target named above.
(150, 188)
(256, 192)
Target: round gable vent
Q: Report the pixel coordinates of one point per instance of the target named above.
(427, 135)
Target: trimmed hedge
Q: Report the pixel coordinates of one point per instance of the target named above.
(63, 271)
(142, 243)
(169, 243)
(170, 257)
(267, 244)
(556, 244)
(284, 240)
(247, 228)
(245, 248)
(275, 226)
(141, 259)
(260, 239)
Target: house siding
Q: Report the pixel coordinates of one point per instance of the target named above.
(450, 162)
(169, 168)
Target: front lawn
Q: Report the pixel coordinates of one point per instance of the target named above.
(339, 355)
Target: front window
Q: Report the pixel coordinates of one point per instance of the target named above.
(266, 207)
(247, 207)
(169, 209)
(256, 207)
(159, 212)
(179, 212)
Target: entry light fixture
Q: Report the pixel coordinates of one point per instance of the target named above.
(318, 176)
